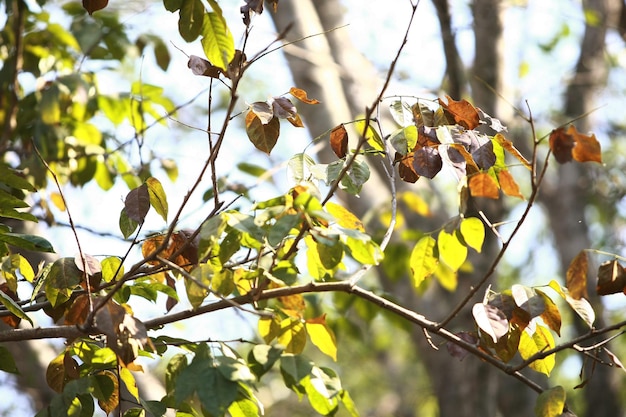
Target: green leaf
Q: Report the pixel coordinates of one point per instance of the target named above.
(551, 402)
(322, 388)
(191, 20)
(16, 264)
(404, 140)
(127, 225)
(423, 261)
(473, 232)
(294, 368)
(28, 242)
(262, 357)
(158, 199)
(13, 307)
(7, 363)
(11, 178)
(112, 268)
(234, 369)
(452, 251)
(300, 167)
(62, 280)
(348, 403)
(244, 407)
(217, 41)
(364, 251)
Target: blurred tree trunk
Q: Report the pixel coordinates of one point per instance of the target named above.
(567, 198)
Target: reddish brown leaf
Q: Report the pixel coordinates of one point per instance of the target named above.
(508, 185)
(302, 96)
(70, 365)
(405, 168)
(137, 203)
(611, 278)
(577, 276)
(339, 141)
(561, 145)
(94, 5)
(262, 136)
(483, 185)
(171, 301)
(462, 112)
(587, 148)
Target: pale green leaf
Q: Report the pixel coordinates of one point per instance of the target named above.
(540, 340)
(158, 199)
(13, 307)
(217, 41)
(551, 402)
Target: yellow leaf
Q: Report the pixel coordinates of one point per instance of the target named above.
(57, 200)
(322, 336)
(129, 381)
(473, 232)
(344, 217)
(269, 327)
(423, 261)
(451, 251)
(292, 335)
(541, 340)
(551, 402)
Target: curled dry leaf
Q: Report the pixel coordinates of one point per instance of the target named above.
(200, 66)
(491, 320)
(462, 112)
(576, 279)
(570, 144)
(302, 96)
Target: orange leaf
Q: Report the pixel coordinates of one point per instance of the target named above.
(587, 148)
(577, 276)
(186, 259)
(296, 121)
(293, 305)
(339, 141)
(483, 185)
(508, 146)
(262, 135)
(508, 184)
(302, 96)
(78, 311)
(462, 112)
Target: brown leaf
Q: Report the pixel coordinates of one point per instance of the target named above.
(587, 148)
(405, 168)
(491, 320)
(483, 185)
(171, 301)
(70, 365)
(508, 185)
(462, 112)
(426, 161)
(577, 276)
(262, 136)
(295, 121)
(302, 96)
(10, 320)
(137, 203)
(94, 5)
(339, 141)
(200, 66)
(78, 311)
(457, 351)
(611, 278)
(283, 108)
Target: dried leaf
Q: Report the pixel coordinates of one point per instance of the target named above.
(200, 66)
(88, 264)
(611, 278)
(427, 162)
(587, 148)
(78, 311)
(405, 168)
(561, 145)
(483, 185)
(283, 108)
(339, 141)
(94, 5)
(490, 320)
(462, 112)
(302, 96)
(263, 136)
(508, 146)
(576, 282)
(457, 351)
(188, 257)
(263, 110)
(508, 185)
(492, 122)
(137, 203)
